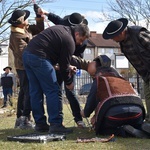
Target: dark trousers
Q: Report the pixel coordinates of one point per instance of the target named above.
(118, 116)
(23, 105)
(71, 96)
(6, 93)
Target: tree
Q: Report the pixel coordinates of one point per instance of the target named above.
(137, 11)
(6, 9)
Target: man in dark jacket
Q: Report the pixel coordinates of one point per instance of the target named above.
(70, 20)
(116, 104)
(8, 83)
(54, 45)
(135, 44)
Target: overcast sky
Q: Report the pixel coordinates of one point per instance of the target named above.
(91, 9)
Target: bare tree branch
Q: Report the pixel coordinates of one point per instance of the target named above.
(6, 9)
(136, 11)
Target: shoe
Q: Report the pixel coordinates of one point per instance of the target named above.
(25, 123)
(146, 128)
(135, 132)
(36, 9)
(81, 124)
(42, 127)
(4, 106)
(17, 123)
(59, 129)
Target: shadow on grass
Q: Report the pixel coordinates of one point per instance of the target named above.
(12, 132)
(77, 133)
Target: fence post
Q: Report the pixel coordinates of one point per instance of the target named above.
(138, 88)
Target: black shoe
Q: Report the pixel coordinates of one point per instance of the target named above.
(42, 127)
(25, 123)
(59, 129)
(4, 106)
(134, 132)
(146, 128)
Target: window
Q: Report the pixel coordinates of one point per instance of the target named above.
(88, 51)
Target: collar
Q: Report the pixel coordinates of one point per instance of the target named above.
(17, 29)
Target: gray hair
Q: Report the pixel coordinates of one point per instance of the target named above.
(82, 29)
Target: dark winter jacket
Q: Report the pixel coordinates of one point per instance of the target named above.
(56, 44)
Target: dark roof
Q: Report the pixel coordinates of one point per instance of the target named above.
(96, 40)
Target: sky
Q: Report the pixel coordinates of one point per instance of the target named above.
(91, 9)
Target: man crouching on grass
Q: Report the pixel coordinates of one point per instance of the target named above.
(118, 109)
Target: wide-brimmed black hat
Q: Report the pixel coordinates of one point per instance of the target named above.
(7, 68)
(102, 61)
(114, 28)
(75, 18)
(18, 17)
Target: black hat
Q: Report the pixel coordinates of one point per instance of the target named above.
(114, 28)
(75, 18)
(85, 21)
(102, 61)
(8, 68)
(18, 17)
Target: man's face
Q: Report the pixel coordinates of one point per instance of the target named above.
(79, 39)
(119, 37)
(92, 69)
(7, 70)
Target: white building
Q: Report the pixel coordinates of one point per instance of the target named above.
(3, 57)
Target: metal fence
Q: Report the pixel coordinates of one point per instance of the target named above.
(84, 81)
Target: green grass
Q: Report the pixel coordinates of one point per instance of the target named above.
(7, 124)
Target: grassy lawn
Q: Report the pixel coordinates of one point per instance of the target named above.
(7, 129)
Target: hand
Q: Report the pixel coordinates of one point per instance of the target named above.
(82, 113)
(72, 70)
(39, 11)
(93, 120)
(70, 86)
(56, 67)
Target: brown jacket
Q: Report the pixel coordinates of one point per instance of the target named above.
(80, 63)
(19, 38)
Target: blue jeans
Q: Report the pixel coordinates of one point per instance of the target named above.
(6, 92)
(42, 79)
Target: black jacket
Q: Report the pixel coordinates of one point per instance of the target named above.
(79, 50)
(57, 44)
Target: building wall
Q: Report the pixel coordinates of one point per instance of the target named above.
(89, 53)
(3, 62)
(3, 57)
